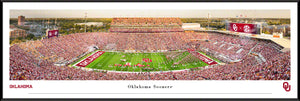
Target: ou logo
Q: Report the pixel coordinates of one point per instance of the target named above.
(50, 34)
(55, 33)
(234, 27)
(246, 28)
(286, 86)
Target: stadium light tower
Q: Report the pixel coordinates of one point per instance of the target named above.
(208, 21)
(85, 22)
(48, 23)
(43, 23)
(55, 21)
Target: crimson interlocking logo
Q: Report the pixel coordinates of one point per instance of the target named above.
(235, 28)
(286, 86)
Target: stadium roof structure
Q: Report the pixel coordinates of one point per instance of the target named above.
(286, 43)
(13, 29)
(191, 26)
(91, 23)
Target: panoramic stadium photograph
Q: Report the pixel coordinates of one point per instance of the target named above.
(149, 45)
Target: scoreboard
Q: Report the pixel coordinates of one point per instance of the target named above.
(244, 28)
(52, 33)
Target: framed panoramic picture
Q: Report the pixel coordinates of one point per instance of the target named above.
(150, 50)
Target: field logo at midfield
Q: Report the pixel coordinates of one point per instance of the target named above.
(147, 60)
(140, 65)
(90, 59)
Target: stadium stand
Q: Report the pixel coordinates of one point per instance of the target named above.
(25, 64)
(146, 25)
(246, 58)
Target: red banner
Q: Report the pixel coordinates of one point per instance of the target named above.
(90, 59)
(244, 28)
(52, 33)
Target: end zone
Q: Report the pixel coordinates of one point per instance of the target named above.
(89, 59)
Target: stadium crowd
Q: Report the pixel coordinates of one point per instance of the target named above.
(146, 30)
(146, 25)
(246, 58)
(227, 47)
(33, 60)
(146, 21)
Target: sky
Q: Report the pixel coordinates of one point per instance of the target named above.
(94, 13)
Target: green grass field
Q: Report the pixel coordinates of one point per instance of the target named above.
(160, 62)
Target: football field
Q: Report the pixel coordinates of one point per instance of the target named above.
(137, 62)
